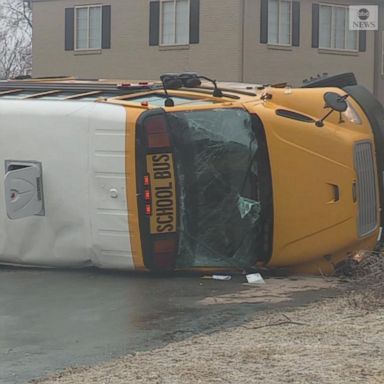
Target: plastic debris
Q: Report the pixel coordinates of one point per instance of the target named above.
(255, 278)
(221, 277)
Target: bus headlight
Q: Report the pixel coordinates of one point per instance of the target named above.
(351, 115)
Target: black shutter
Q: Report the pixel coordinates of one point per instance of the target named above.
(315, 25)
(264, 22)
(362, 41)
(69, 29)
(194, 23)
(106, 27)
(296, 23)
(154, 22)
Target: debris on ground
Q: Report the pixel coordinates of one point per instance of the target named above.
(255, 278)
(217, 277)
(221, 277)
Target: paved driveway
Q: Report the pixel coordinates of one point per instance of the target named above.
(52, 319)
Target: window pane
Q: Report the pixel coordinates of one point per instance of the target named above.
(81, 28)
(168, 22)
(273, 21)
(285, 22)
(339, 27)
(182, 21)
(351, 40)
(351, 37)
(325, 27)
(95, 27)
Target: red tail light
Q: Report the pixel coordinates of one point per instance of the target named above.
(156, 131)
(124, 85)
(165, 253)
(164, 260)
(147, 195)
(165, 246)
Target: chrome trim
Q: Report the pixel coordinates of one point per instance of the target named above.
(367, 219)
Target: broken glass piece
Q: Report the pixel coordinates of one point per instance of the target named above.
(247, 206)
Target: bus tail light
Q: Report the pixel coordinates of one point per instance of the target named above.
(157, 132)
(165, 253)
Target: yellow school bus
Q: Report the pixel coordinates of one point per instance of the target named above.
(185, 174)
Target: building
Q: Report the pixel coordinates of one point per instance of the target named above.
(263, 41)
(379, 57)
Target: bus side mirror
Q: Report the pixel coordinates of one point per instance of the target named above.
(190, 80)
(335, 101)
(171, 81)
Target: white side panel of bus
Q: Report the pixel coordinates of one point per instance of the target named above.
(110, 231)
(62, 136)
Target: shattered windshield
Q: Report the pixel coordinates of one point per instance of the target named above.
(216, 160)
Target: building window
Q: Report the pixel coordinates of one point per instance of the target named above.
(279, 22)
(88, 27)
(334, 30)
(174, 22)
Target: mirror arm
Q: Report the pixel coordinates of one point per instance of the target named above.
(343, 98)
(217, 91)
(320, 123)
(168, 101)
(333, 101)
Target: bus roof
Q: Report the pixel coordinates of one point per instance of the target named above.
(91, 90)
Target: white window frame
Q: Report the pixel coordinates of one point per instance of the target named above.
(174, 31)
(346, 7)
(88, 7)
(278, 25)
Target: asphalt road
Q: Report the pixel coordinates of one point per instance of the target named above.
(53, 319)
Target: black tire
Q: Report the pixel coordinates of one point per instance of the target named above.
(339, 81)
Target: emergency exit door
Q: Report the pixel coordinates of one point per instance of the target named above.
(23, 188)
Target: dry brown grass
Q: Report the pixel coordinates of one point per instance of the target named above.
(324, 343)
(366, 285)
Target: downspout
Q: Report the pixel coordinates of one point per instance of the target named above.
(242, 59)
(377, 56)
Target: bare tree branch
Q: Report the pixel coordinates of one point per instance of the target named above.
(15, 38)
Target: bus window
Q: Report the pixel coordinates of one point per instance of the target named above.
(216, 157)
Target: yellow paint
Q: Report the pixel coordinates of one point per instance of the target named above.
(130, 170)
(312, 230)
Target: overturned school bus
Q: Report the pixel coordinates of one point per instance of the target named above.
(182, 175)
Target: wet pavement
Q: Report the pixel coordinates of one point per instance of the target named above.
(53, 319)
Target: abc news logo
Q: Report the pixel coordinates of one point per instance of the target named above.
(363, 17)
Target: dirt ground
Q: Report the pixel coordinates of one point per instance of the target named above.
(328, 342)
